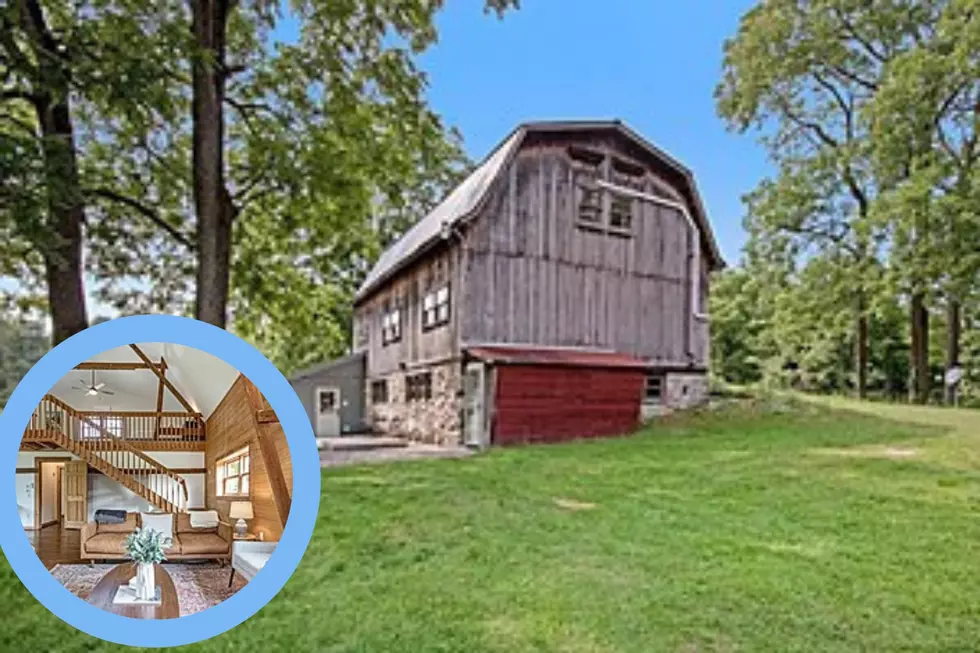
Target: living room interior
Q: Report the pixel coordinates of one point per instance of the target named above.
(158, 437)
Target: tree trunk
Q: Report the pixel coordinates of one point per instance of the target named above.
(63, 252)
(953, 331)
(861, 350)
(62, 239)
(919, 351)
(212, 202)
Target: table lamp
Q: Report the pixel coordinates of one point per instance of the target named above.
(240, 510)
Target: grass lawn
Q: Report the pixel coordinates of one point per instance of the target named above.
(777, 527)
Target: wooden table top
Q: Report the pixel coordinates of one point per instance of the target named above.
(105, 591)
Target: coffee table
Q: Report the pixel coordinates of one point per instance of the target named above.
(105, 591)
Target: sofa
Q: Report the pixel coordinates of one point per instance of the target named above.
(250, 558)
(108, 541)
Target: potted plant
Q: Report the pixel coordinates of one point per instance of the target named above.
(145, 547)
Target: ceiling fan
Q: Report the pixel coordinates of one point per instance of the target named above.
(92, 389)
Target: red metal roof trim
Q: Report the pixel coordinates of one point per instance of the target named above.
(560, 357)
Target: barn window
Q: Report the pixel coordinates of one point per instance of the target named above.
(418, 387)
(435, 308)
(621, 213)
(363, 329)
(653, 388)
(589, 200)
(379, 392)
(391, 326)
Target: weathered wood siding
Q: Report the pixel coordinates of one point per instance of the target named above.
(532, 275)
(232, 427)
(406, 290)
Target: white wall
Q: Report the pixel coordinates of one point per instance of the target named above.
(104, 493)
(25, 499)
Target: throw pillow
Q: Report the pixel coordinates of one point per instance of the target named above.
(162, 523)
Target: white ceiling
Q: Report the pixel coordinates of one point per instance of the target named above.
(200, 377)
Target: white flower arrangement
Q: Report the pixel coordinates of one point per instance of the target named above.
(145, 545)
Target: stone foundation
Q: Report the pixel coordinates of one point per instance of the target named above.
(432, 421)
(685, 390)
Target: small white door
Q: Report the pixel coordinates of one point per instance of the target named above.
(475, 431)
(327, 404)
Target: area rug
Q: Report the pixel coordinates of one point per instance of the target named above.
(199, 586)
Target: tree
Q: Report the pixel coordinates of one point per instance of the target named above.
(349, 54)
(807, 74)
(82, 86)
(925, 122)
(22, 343)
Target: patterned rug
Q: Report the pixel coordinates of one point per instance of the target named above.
(199, 586)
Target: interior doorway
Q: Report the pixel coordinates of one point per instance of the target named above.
(49, 503)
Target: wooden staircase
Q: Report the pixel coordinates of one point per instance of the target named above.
(56, 423)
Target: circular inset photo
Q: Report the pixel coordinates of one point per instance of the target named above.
(165, 470)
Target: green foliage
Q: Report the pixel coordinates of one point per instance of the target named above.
(22, 343)
(145, 545)
(331, 152)
(869, 111)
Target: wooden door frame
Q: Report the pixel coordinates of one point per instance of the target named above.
(38, 485)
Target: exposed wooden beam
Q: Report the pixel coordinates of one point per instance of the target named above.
(119, 367)
(163, 379)
(267, 449)
(163, 364)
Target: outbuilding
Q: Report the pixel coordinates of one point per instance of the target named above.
(333, 395)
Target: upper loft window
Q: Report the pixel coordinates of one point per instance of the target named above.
(588, 200)
(435, 308)
(234, 474)
(391, 326)
(599, 208)
(621, 213)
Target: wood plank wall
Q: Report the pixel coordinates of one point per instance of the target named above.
(231, 427)
(534, 276)
(407, 290)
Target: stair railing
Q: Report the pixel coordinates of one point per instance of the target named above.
(111, 449)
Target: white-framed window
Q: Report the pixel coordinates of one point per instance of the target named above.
(435, 308)
(234, 475)
(391, 326)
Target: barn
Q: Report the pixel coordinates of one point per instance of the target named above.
(559, 292)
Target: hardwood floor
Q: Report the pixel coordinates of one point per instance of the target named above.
(57, 546)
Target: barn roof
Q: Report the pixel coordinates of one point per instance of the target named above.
(463, 202)
(555, 356)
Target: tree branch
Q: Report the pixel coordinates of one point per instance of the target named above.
(146, 211)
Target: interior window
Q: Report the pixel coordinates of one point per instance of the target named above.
(234, 474)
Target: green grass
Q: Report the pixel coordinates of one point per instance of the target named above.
(781, 527)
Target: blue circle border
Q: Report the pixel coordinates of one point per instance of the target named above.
(302, 449)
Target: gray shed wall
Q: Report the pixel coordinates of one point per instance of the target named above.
(346, 374)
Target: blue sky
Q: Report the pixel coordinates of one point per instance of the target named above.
(653, 64)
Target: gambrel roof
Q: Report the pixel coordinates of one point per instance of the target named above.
(465, 200)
